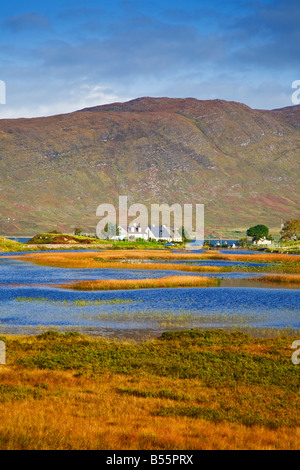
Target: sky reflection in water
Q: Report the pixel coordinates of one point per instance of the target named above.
(29, 302)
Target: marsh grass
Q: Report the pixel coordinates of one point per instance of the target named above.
(124, 284)
(108, 261)
(159, 266)
(285, 278)
(277, 268)
(170, 320)
(77, 302)
(195, 389)
(122, 259)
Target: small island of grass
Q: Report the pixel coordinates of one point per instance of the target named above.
(122, 284)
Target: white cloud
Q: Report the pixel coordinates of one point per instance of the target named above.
(248, 57)
(51, 101)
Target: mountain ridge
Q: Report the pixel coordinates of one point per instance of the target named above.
(241, 163)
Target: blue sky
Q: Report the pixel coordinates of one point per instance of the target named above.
(60, 56)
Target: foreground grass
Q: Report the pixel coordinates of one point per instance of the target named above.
(186, 390)
(121, 284)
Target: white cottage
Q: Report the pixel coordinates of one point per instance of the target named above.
(131, 232)
(262, 241)
(159, 232)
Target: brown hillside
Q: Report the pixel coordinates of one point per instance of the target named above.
(243, 164)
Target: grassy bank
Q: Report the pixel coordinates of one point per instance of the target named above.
(7, 245)
(53, 242)
(186, 390)
(79, 241)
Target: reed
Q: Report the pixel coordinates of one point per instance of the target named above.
(287, 278)
(159, 266)
(91, 260)
(75, 303)
(122, 284)
(255, 257)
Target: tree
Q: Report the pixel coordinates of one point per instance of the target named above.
(291, 230)
(257, 232)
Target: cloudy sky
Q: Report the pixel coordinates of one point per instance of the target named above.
(61, 55)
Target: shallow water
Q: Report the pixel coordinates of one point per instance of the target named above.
(14, 271)
(29, 302)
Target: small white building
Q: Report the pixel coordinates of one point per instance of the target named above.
(134, 232)
(262, 241)
(131, 232)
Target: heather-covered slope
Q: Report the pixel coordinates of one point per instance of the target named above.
(243, 164)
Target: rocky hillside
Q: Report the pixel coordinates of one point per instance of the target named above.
(243, 164)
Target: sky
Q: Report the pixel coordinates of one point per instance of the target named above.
(60, 56)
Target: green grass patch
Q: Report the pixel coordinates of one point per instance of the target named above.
(230, 414)
(216, 357)
(19, 392)
(77, 302)
(7, 245)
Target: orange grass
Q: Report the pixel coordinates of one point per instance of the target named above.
(75, 413)
(92, 415)
(89, 259)
(289, 278)
(121, 284)
(157, 266)
(106, 261)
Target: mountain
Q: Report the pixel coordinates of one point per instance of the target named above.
(241, 163)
